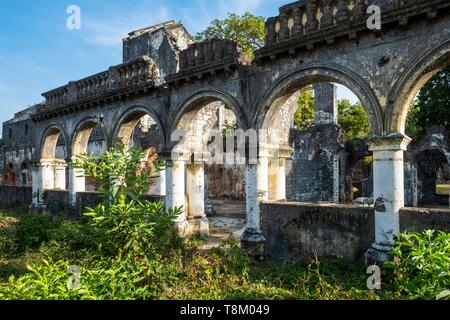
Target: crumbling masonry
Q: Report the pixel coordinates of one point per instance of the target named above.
(177, 82)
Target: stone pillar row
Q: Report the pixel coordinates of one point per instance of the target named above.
(185, 188)
(48, 174)
(265, 181)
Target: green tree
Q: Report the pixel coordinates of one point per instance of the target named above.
(353, 119)
(431, 106)
(304, 116)
(247, 30)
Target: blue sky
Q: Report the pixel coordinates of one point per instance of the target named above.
(38, 52)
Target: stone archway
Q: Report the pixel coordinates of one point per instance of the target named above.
(285, 88)
(197, 119)
(80, 142)
(409, 84)
(50, 172)
(141, 128)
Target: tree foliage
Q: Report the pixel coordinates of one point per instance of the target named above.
(351, 117)
(431, 106)
(304, 116)
(353, 120)
(247, 30)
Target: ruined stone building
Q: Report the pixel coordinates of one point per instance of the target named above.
(167, 83)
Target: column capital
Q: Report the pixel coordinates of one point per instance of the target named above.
(395, 141)
(50, 162)
(275, 151)
(173, 156)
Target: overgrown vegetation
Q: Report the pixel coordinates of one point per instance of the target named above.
(126, 248)
(247, 30)
(352, 118)
(421, 265)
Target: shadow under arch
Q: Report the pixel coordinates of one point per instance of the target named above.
(123, 129)
(288, 85)
(190, 107)
(82, 133)
(406, 88)
(49, 140)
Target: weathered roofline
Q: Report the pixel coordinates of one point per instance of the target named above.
(207, 58)
(282, 37)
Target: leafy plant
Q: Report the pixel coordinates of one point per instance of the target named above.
(129, 226)
(421, 265)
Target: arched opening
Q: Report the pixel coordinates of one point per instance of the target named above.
(139, 128)
(315, 139)
(53, 160)
(89, 138)
(430, 69)
(212, 171)
(427, 169)
(422, 112)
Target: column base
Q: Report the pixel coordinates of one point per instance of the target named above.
(37, 208)
(209, 209)
(198, 227)
(254, 243)
(182, 228)
(377, 255)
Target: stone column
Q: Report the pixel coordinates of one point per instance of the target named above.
(36, 185)
(198, 222)
(159, 186)
(252, 239)
(60, 174)
(262, 184)
(48, 174)
(175, 193)
(77, 183)
(277, 173)
(388, 179)
(277, 179)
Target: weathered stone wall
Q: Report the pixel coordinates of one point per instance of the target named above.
(17, 150)
(15, 197)
(314, 171)
(298, 230)
(56, 201)
(162, 43)
(311, 172)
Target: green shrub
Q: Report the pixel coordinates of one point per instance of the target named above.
(32, 231)
(421, 265)
(128, 226)
(8, 245)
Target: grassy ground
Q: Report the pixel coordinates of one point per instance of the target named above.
(204, 277)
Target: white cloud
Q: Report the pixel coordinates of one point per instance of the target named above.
(110, 30)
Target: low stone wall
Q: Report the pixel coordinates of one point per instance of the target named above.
(296, 231)
(418, 219)
(15, 197)
(56, 201)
